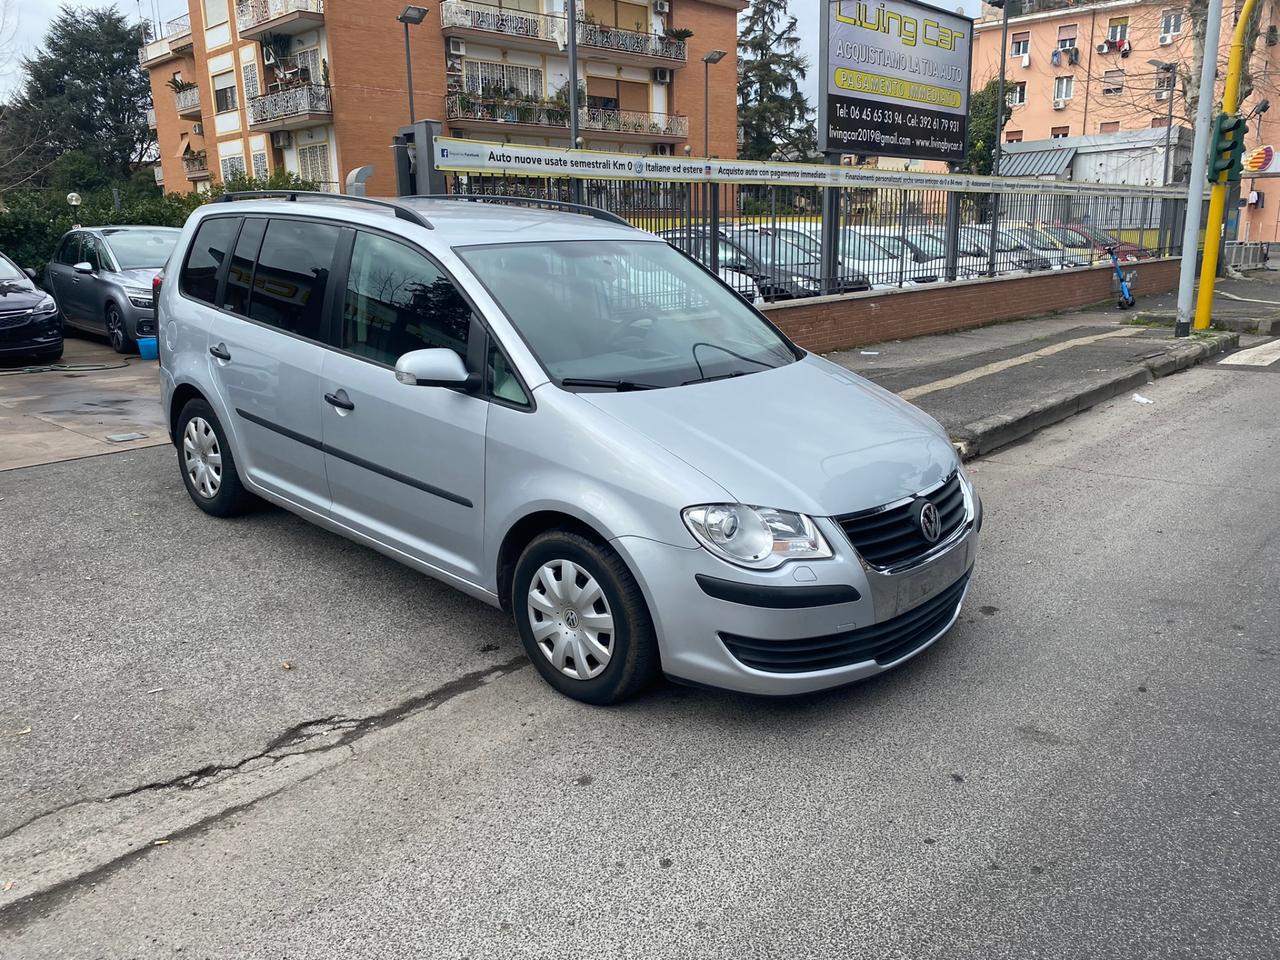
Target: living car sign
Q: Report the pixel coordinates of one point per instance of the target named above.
(897, 80)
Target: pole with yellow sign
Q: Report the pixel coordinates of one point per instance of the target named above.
(1225, 150)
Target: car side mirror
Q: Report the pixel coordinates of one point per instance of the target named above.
(31, 274)
(84, 266)
(435, 367)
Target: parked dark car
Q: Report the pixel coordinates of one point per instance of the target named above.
(101, 278)
(29, 324)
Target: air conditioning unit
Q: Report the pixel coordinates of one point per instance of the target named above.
(1104, 46)
(662, 75)
(457, 47)
(664, 150)
(1059, 104)
(1166, 39)
(281, 139)
(1026, 60)
(661, 7)
(1162, 94)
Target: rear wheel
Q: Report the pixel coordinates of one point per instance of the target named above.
(582, 619)
(117, 331)
(208, 467)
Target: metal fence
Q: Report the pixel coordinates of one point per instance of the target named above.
(769, 239)
(1245, 256)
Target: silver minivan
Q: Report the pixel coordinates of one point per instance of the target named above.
(568, 418)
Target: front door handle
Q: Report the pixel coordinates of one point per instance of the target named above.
(220, 351)
(339, 400)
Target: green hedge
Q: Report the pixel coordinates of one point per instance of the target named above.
(31, 223)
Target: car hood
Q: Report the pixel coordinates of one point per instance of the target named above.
(139, 276)
(810, 436)
(19, 294)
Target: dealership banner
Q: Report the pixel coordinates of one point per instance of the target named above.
(895, 77)
(508, 159)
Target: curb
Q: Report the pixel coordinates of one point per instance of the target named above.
(999, 430)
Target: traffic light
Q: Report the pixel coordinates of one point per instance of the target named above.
(1226, 149)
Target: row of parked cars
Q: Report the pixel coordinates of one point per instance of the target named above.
(784, 261)
(99, 280)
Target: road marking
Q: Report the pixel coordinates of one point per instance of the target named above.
(1262, 355)
(985, 371)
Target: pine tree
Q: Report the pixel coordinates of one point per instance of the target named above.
(775, 117)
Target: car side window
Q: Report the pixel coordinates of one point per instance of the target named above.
(240, 273)
(96, 254)
(397, 301)
(503, 384)
(208, 251)
(294, 266)
(67, 253)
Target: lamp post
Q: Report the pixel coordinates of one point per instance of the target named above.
(710, 57)
(414, 15)
(1168, 68)
(1003, 6)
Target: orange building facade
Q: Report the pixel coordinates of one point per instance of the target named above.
(320, 89)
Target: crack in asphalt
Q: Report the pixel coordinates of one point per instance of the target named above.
(296, 740)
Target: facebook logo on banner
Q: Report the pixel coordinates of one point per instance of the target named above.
(444, 153)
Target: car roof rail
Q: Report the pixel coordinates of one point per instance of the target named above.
(583, 208)
(401, 211)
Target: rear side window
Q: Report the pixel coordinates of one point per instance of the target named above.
(397, 300)
(240, 273)
(293, 272)
(208, 252)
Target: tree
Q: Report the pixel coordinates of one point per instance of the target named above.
(982, 128)
(775, 117)
(85, 92)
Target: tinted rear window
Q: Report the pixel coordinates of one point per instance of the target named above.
(292, 273)
(208, 250)
(240, 273)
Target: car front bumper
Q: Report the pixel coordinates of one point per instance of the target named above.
(31, 337)
(802, 605)
(139, 321)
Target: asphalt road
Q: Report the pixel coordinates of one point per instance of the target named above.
(1085, 767)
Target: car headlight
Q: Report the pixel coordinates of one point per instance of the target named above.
(758, 537)
(45, 308)
(139, 296)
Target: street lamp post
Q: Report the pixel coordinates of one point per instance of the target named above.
(1168, 68)
(414, 15)
(1000, 108)
(712, 56)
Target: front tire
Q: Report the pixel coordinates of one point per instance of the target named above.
(582, 619)
(208, 467)
(118, 331)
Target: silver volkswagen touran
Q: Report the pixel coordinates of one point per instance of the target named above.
(566, 417)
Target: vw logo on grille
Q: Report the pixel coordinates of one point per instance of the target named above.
(930, 522)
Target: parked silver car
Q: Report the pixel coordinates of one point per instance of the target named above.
(565, 417)
(101, 278)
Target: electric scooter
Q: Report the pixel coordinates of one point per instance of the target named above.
(1126, 292)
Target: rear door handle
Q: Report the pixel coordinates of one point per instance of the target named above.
(339, 400)
(220, 351)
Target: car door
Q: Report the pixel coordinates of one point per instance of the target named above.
(271, 297)
(64, 280)
(90, 290)
(405, 463)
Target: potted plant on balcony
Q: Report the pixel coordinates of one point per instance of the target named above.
(178, 85)
(680, 34)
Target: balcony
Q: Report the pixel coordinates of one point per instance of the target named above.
(496, 115)
(159, 171)
(545, 32)
(174, 40)
(295, 107)
(257, 17)
(151, 118)
(196, 165)
(187, 102)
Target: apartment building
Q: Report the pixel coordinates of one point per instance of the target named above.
(320, 88)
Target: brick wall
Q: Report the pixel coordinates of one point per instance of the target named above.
(714, 28)
(823, 324)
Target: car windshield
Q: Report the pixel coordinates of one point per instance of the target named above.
(10, 272)
(981, 237)
(1032, 238)
(626, 314)
(932, 246)
(774, 251)
(894, 245)
(1067, 236)
(859, 247)
(1097, 236)
(141, 249)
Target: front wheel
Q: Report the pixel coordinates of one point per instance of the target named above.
(117, 331)
(582, 619)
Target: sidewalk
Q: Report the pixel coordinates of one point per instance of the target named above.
(995, 385)
(1251, 305)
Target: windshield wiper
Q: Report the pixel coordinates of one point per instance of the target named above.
(619, 385)
(719, 376)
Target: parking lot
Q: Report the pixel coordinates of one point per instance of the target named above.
(313, 751)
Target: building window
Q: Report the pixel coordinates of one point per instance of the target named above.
(1159, 122)
(310, 67)
(1118, 29)
(1113, 82)
(1013, 136)
(1020, 44)
(260, 165)
(493, 79)
(232, 168)
(313, 164)
(1067, 36)
(1017, 94)
(251, 89)
(1063, 87)
(1111, 126)
(1057, 133)
(224, 92)
(1171, 22)
(216, 12)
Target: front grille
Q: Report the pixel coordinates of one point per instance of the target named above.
(882, 642)
(886, 538)
(14, 318)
